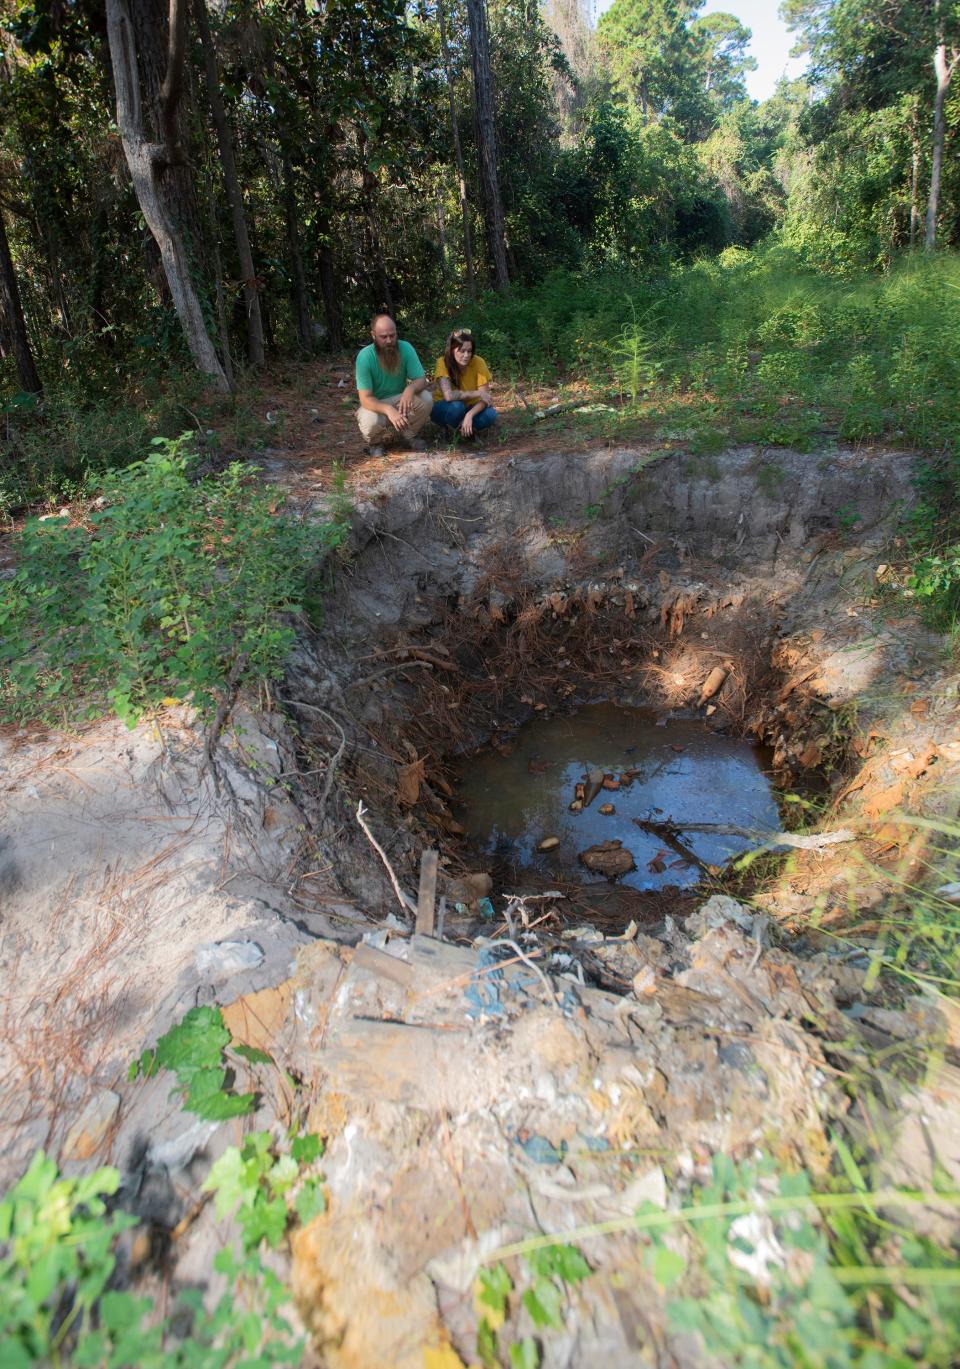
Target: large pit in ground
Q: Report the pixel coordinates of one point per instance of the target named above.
(483, 599)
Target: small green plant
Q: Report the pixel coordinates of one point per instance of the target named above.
(58, 1305)
(196, 1051)
(551, 1272)
(256, 1181)
(176, 588)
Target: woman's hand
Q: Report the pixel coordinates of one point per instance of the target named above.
(466, 427)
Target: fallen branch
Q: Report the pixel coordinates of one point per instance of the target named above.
(815, 842)
(406, 902)
(389, 670)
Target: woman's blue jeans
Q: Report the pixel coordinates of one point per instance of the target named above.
(450, 413)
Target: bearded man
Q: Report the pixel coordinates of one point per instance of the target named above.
(392, 388)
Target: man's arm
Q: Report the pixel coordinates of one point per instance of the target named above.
(416, 383)
(377, 406)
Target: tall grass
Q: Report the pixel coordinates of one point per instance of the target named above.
(761, 347)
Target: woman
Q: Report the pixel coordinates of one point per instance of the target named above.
(462, 395)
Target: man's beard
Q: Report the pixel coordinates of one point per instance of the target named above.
(388, 357)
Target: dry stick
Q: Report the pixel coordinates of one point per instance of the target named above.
(223, 709)
(387, 670)
(815, 842)
(331, 765)
(406, 902)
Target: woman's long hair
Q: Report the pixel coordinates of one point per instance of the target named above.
(456, 339)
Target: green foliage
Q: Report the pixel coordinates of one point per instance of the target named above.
(551, 1272)
(58, 1258)
(176, 587)
(779, 1286)
(194, 1049)
(254, 1183)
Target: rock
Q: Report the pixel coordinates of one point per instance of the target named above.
(606, 809)
(611, 782)
(221, 959)
(89, 1131)
(716, 912)
(645, 982)
(576, 806)
(549, 844)
(608, 858)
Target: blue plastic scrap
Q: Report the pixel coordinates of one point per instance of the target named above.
(541, 1151)
(483, 991)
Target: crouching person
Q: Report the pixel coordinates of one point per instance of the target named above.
(392, 388)
(462, 399)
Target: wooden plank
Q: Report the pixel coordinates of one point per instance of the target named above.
(427, 897)
(385, 966)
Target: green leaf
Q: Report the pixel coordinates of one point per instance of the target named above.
(256, 1057)
(667, 1266)
(487, 1345)
(524, 1354)
(305, 1149)
(543, 1301)
(495, 1287)
(310, 1201)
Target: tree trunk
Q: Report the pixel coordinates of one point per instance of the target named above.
(331, 299)
(15, 327)
(944, 71)
(301, 299)
(457, 155)
(486, 140)
(159, 42)
(147, 162)
(251, 293)
(914, 177)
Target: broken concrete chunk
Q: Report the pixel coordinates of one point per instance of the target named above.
(221, 959)
(717, 911)
(608, 858)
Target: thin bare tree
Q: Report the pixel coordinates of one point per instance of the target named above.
(944, 67)
(487, 141)
(457, 153)
(11, 315)
(149, 160)
(248, 272)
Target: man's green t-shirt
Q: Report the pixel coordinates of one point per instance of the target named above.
(385, 384)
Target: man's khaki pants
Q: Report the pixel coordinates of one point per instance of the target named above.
(376, 428)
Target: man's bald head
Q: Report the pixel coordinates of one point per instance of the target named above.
(383, 330)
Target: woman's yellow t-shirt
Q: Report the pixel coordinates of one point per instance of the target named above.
(475, 373)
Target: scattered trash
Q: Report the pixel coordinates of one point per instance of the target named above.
(220, 959)
(607, 809)
(549, 844)
(714, 682)
(540, 1150)
(485, 909)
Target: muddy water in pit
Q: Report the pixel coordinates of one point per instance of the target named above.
(683, 771)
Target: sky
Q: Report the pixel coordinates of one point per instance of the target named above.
(770, 46)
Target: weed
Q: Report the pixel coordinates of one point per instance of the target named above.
(175, 588)
(58, 1243)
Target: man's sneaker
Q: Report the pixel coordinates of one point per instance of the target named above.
(416, 444)
(376, 450)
